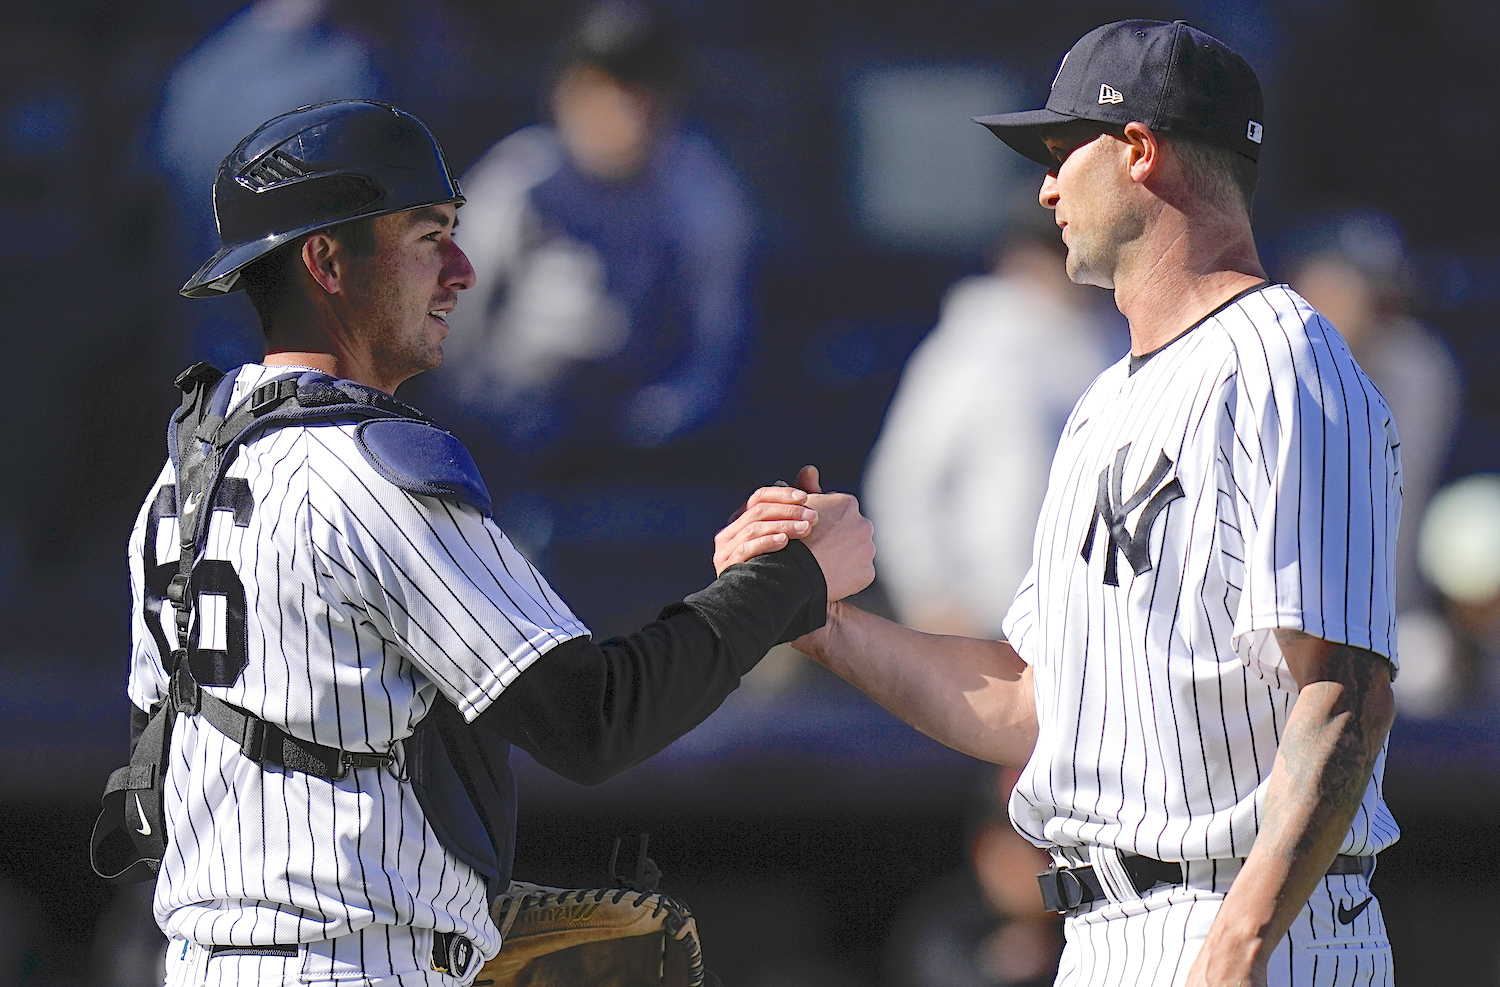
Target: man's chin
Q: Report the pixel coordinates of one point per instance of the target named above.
(1080, 272)
(433, 360)
(429, 358)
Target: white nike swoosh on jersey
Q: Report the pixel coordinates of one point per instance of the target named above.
(145, 827)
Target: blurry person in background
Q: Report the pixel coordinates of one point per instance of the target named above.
(612, 249)
(1452, 659)
(957, 476)
(271, 57)
(1362, 281)
(982, 925)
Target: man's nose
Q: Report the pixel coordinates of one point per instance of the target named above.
(1048, 194)
(457, 271)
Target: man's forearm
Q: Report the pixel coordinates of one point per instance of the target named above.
(1328, 751)
(589, 711)
(975, 696)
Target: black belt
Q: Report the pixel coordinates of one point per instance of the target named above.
(290, 950)
(451, 952)
(1067, 888)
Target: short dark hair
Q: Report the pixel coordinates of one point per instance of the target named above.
(268, 280)
(1213, 171)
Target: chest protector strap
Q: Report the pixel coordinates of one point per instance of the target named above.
(462, 779)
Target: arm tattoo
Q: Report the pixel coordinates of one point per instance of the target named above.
(1329, 752)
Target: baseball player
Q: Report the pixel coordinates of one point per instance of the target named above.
(1197, 679)
(344, 642)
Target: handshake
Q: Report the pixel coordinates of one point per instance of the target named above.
(830, 524)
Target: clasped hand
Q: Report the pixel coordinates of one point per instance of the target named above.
(839, 536)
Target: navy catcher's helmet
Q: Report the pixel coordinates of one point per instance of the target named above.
(314, 168)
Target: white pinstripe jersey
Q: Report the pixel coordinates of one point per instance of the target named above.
(362, 603)
(1247, 477)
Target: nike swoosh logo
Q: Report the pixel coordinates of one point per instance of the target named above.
(145, 827)
(1348, 915)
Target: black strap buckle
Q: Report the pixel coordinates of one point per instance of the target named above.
(358, 759)
(268, 396)
(1062, 889)
(177, 589)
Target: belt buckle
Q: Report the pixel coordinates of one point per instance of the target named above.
(1062, 891)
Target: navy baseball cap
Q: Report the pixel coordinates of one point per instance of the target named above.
(1171, 77)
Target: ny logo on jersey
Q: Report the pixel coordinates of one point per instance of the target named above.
(1112, 510)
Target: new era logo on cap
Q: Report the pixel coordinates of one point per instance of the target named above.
(1109, 94)
(1253, 133)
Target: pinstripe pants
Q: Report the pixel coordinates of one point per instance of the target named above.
(1154, 940)
(376, 956)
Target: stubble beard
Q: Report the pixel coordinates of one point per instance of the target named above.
(1096, 252)
(1083, 268)
(399, 348)
(415, 352)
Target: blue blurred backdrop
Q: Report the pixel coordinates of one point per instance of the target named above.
(868, 193)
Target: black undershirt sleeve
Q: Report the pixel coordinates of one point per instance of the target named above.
(589, 711)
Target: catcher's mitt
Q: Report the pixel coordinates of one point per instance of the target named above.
(603, 937)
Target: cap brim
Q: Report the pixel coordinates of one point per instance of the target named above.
(1023, 132)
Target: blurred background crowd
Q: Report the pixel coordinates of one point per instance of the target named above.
(715, 242)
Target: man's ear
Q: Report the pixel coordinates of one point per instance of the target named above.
(324, 261)
(1145, 152)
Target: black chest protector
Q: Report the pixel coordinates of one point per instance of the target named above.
(461, 777)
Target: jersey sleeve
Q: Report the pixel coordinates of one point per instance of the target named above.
(437, 579)
(1311, 495)
(1021, 619)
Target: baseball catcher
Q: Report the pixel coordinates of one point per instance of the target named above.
(334, 645)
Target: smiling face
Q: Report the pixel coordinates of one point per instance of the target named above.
(1094, 199)
(399, 297)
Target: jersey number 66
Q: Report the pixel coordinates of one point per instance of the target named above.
(214, 658)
